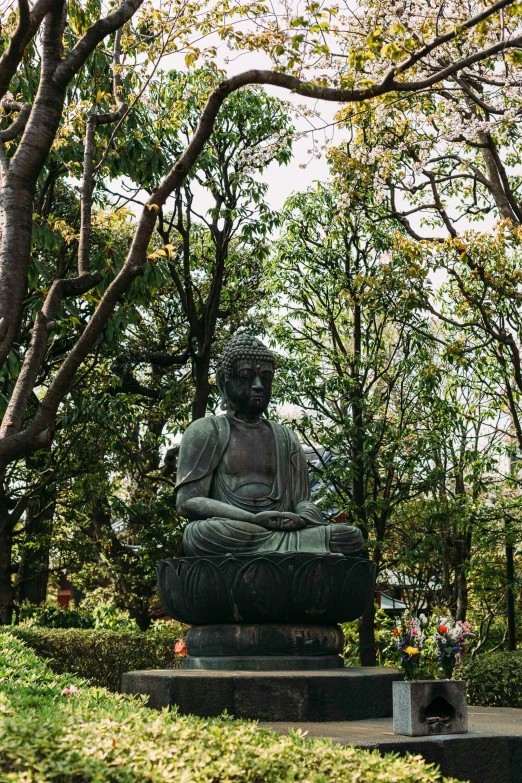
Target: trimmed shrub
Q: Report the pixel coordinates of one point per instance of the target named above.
(57, 728)
(102, 656)
(494, 679)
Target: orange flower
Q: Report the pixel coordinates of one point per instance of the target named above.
(395, 632)
(180, 648)
(442, 629)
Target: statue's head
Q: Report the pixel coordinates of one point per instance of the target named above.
(244, 375)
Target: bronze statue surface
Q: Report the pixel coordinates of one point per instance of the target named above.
(242, 479)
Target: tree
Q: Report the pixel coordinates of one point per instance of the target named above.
(358, 373)
(40, 124)
(443, 162)
(252, 131)
(449, 153)
(217, 268)
(438, 535)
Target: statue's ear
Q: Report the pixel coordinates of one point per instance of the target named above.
(221, 380)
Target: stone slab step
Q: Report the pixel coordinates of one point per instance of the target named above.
(491, 751)
(349, 694)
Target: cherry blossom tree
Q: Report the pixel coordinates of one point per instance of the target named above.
(446, 163)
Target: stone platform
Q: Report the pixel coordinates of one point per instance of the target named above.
(348, 694)
(491, 751)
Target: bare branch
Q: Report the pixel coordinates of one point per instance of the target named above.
(28, 23)
(476, 98)
(403, 220)
(90, 40)
(86, 196)
(88, 152)
(19, 124)
(44, 322)
(456, 67)
(440, 206)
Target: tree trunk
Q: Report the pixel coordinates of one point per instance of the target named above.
(367, 651)
(510, 598)
(202, 393)
(141, 614)
(462, 594)
(358, 443)
(33, 575)
(6, 585)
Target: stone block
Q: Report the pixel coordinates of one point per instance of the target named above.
(382, 699)
(155, 684)
(271, 698)
(193, 696)
(333, 698)
(430, 707)
(485, 760)
(515, 759)
(432, 751)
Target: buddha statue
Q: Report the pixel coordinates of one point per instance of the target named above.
(242, 479)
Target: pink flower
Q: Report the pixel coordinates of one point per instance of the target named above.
(69, 690)
(180, 648)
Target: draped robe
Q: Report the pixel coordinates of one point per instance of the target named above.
(201, 451)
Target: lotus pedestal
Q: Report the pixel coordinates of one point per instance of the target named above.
(269, 612)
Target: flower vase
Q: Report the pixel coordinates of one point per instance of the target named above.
(427, 707)
(447, 665)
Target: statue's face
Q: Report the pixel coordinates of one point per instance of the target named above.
(249, 387)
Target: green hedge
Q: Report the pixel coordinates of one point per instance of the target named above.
(494, 679)
(51, 732)
(102, 656)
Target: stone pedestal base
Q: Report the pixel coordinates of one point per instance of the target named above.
(263, 663)
(264, 646)
(351, 693)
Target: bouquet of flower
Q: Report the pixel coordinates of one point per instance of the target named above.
(450, 640)
(409, 639)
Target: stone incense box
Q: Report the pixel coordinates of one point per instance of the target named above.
(430, 707)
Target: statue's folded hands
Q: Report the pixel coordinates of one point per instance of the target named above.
(279, 520)
(204, 508)
(197, 506)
